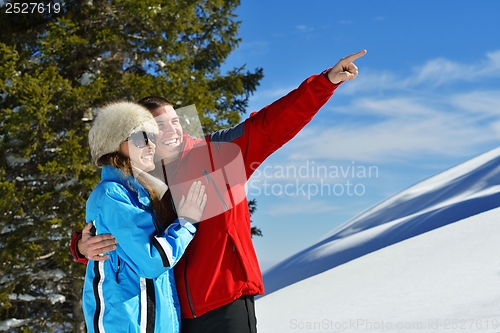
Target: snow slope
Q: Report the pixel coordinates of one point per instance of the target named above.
(447, 280)
(465, 190)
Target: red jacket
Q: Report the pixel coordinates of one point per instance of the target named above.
(220, 265)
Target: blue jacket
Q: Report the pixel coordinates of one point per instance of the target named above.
(134, 290)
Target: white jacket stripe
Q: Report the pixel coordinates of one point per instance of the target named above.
(165, 250)
(144, 305)
(99, 297)
(101, 294)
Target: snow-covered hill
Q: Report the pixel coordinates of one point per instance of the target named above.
(463, 191)
(447, 280)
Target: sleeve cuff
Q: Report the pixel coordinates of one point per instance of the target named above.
(188, 223)
(77, 256)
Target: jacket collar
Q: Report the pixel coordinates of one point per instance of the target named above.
(110, 173)
(188, 143)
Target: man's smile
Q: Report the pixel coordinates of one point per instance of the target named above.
(171, 142)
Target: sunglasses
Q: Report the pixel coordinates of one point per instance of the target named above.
(141, 139)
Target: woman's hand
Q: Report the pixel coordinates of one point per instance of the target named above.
(194, 204)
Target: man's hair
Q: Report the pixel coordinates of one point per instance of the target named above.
(154, 102)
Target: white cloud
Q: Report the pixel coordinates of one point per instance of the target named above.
(494, 59)
(405, 118)
(304, 28)
(486, 102)
(269, 95)
(439, 71)
(432, 74)
(252, 49)
(405, 127)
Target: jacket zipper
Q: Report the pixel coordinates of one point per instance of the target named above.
(188, 293)
(208, 177)
(118, 270)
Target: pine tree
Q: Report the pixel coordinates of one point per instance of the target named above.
(252, 207)
(55, 69)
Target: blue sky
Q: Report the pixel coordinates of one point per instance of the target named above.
(427, 98)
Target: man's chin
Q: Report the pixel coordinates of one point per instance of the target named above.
(162, 154)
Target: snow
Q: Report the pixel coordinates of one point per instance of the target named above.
(425, 259)
(447, 279)
(51, 274)
(56, 298)
(7, 228)
(460, 192)
(12, 323)
(21, 297)
(68, 183)
(53, 298)
(14, 161)
(86, 78)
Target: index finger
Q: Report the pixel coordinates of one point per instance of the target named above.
(354, 56)
(101, 238)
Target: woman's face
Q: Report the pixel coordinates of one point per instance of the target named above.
(140, 148)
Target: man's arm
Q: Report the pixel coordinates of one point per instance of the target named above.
(276, 124)
(280, 121)
(85, 246)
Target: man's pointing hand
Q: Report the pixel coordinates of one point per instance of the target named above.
(345, 69)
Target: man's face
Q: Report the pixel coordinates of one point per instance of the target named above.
(169, 139)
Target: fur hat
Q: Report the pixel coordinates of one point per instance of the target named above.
(114, 123)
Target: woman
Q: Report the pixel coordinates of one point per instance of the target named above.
(134, 291)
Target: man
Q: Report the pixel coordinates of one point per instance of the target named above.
(219, 274)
